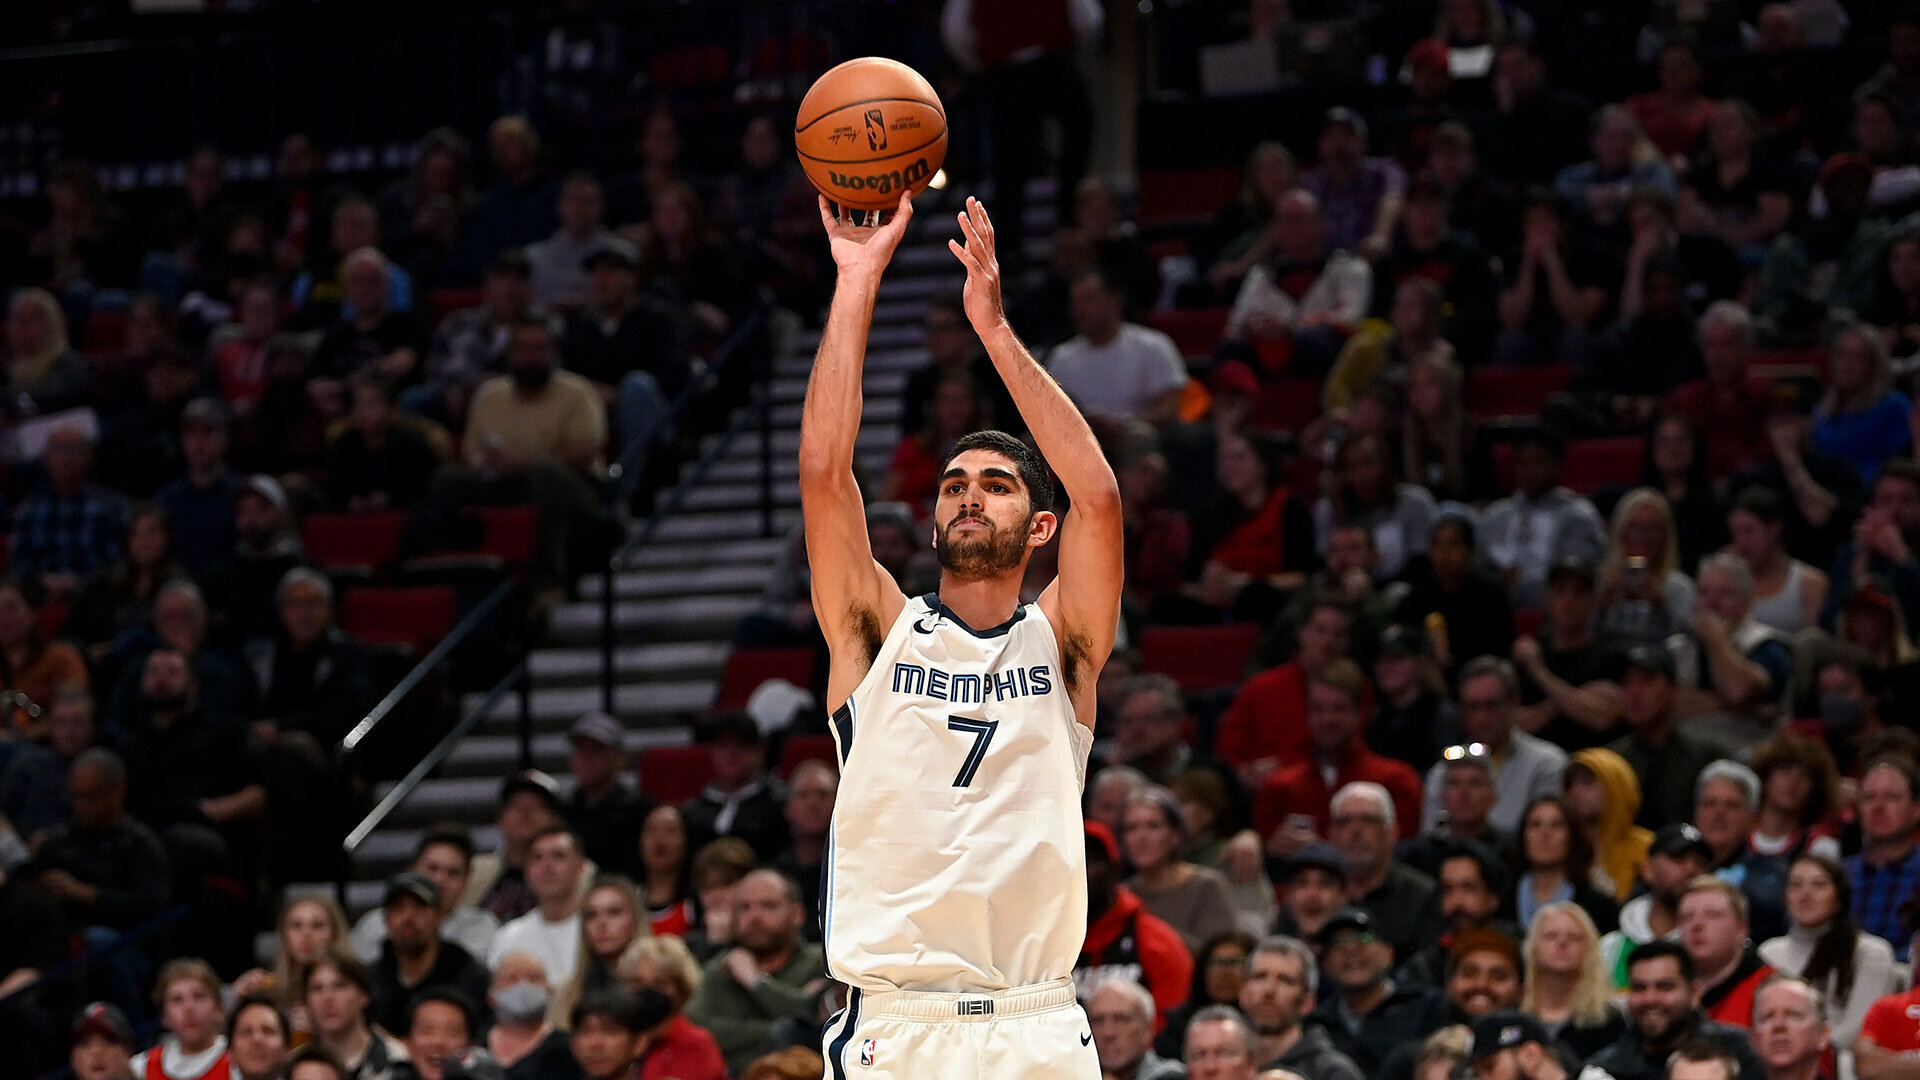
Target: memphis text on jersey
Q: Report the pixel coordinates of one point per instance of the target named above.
(917, 680)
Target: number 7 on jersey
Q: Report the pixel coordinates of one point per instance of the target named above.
(982, 736)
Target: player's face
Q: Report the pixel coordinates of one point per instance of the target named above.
(983, 517)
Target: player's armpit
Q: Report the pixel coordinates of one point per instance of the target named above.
(853, 597)
(1083, 603)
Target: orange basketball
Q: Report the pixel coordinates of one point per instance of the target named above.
(869, 128)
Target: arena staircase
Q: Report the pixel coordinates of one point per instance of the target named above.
(677, 604)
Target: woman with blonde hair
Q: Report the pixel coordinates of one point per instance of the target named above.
(1644, 595)
(308, 926)
(1438, 447)
(40, 363)
(1862, 419)
(1566, 984)
(611, 919)
(681, 1049)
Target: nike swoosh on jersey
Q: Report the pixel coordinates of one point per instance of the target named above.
(1087, 1039)
(921, 628)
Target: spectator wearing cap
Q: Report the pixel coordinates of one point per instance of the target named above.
(1369, 1014)
(535, 434)
(1525, 535)
(1292, 806)
(1307, 297)
(1465, 609)
(556, 871)
(742, 799)
(1887, 870)
(102, 1043)
(1124, 939)
(1114, 369)
(1830, 262)
(267, 545)
(529, 803)
(1121, 1015)
(1361, 195)
(381, 459)
(470, 345)
(193, 1046)
(1313, 888)
(602, 807)
(1279, 993)
(1678, 855)
(1568, 693)
(632, 347)
(1412, 719)
(415, 955)
(442, 1023)
(1472, 889)
(199, 505)
(1662, 1017)
(1666, 757)
(558, 262)
(1513, 1045)
(1524, 767)
(67, 529)
(445, 857)
(1714, 928)
(1726, 399)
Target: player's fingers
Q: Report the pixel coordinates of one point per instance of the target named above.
(966, 229)
(826, 216)
(966, 257)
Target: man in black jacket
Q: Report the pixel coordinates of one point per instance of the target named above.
(1371, 1014)
(743, 800)
(414, 955)
(106, 869)
(1662, 1016)
(1277, 996)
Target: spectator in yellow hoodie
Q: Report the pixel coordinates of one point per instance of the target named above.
(1604, 795)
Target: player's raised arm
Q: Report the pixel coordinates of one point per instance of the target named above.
(1084, 601)
(854, 598)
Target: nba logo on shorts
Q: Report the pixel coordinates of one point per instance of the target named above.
(867, 1050)
(876, 130)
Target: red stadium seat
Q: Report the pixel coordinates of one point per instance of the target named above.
(802, 748)
(417, 616)
(444, 302)
(1287, 404)
(105, 332)
(1783, 362)
(674, 774)
(362, 544)
(510, 533)
(1591, 464)
(1186, 195)
(1198, 657)
(1515, 391)
(1196, 332)
(507, 540)
(746, 669)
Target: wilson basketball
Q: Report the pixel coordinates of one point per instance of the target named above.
(867, 129)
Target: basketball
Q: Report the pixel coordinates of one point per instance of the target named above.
(867, 129)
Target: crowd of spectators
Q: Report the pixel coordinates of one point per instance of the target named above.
(1527, 773)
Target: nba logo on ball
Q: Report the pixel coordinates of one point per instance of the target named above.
(876, 130)
(867, 1050)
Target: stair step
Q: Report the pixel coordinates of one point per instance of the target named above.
(755, 550)
(884, 410)
(702, 618)
(902, 358)
(634, 702)
(921, 288)
(872, 460)
(667, 661)
(684, 581)
(742, 496)
(786, 442)
(877, 386)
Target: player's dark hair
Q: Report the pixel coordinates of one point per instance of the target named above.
(1026, 464)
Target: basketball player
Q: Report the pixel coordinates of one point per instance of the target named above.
(955, 898)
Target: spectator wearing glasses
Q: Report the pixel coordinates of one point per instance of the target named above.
(1525, 768)
(1369, 1013)
(1220, 968)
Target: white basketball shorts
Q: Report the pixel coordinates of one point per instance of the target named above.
(1030, 1033)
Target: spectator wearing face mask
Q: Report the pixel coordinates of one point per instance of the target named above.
(523, 1038)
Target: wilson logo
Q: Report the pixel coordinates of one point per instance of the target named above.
(884, 182)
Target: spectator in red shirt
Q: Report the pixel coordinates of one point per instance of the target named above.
(1728, 402)
(1713, 927)
(1124, 940)
(1675, 115)
(1266, 726)
(1291, 809)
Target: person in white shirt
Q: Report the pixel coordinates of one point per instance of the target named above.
(1306, 295)
(551, 931)
(1112, 367)
(558, 262)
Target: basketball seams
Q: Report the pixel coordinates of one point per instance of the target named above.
(872, 160)
(934, 105)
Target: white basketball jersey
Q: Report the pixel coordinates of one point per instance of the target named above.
(957, 861)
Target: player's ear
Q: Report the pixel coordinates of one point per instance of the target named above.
(1041, 527)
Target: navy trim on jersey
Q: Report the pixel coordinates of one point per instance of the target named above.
(838, 1047)
(843, 729)
(945, 612)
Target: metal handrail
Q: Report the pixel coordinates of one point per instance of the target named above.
(514, 678)
(440, 651)
(696, 388)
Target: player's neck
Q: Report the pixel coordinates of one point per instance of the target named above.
(981, 603)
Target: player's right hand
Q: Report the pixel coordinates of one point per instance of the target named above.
(864, 250)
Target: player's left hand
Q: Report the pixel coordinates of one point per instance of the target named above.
(982, 293)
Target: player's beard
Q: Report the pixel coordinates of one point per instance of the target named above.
(994, 555)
